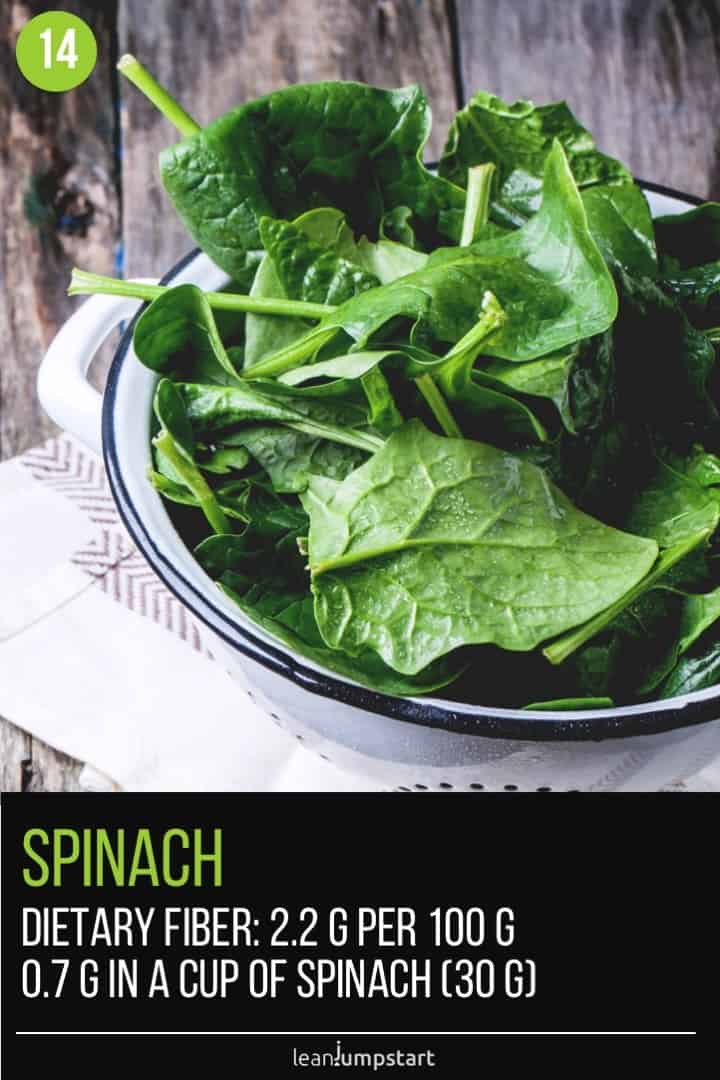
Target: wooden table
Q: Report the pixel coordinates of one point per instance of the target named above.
(78, 182)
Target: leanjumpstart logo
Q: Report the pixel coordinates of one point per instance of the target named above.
(362, 1059)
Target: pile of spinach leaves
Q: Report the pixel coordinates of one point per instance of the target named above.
(453, 428)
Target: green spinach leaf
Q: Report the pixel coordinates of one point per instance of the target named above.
(697, 290)
(681, 498)
(290, 457)
(566, 704)
(340, 144)
(690, 238)
(562, 648)
(177, 335)
(289, 617)
(436, 543)
(176, 443)
(549, 277)
(216, 410)
(697, 670)
(517, 139)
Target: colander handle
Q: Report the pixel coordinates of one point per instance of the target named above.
(64, 391)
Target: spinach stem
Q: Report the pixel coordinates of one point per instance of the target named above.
(448, 380)
(567, 644)
(363, 440)
(477, 201)
(440, 409)
(195, 481)
(83, 283)
(291, 356)
(139, 75)
(457, 363)
(713, 332)
(477, 204)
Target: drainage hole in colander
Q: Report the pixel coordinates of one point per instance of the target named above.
(299, 738)
(421, 787)
(324, 757)
(543, 789)
(403, 789)
(510, 787)
(445, 786)
(477, 787)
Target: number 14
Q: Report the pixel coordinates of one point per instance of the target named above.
(67, 51)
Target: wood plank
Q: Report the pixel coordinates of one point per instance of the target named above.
(15, 757)
(50, 770)
(222, 52)
(642, 75)
(58, 191)
(60, 203)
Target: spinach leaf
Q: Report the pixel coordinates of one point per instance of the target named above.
(566, 704)
(334, 268)
(388, 260)
(216, 410)
(177, 335)
(290, 434)
(396, 225)
(681, 499)
(265, 334)
(517, 139)
(547, 377)
(648, 383)
(699, 612)
(663, 364)
(619, 219)
(340, 144)
(280, 603)
(557, 245)
(309, 271)
(577, 379)
(271, 532)
(567, 644)
(177, 492)
(630, 658)
(697, 670)
(549, 277)
(690, 238)
(501, 417)
(289, 617)
(290, 457)
(224, 460)
(697, 290)
(176, 442)
(645, 643)
(698, 650)
(436, 543)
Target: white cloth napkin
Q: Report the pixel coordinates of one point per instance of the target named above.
(99, 660)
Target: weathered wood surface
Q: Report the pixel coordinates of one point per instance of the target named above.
(59, 206)
(642, 74)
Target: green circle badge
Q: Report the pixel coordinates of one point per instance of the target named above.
(56, 51)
